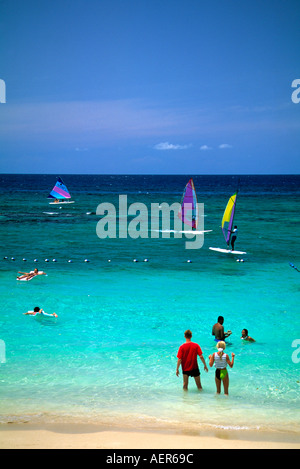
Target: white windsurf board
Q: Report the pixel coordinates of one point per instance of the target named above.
(193, 232)
(227, 251)
(62, 203)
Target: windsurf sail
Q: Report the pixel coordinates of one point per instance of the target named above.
(228, 217)
(189, 206)
(59, 191)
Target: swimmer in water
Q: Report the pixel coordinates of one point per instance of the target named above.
(30, 275)
(37, 310)
(245, 336)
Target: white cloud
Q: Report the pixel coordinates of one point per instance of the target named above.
(80, 149)
(225, 145)
(205, 147)
(170, 146)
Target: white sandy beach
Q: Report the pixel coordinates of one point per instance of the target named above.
(19, 436)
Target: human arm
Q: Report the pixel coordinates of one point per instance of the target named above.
(203, 361)
(211, 360)
(230, 362)
(178, 365)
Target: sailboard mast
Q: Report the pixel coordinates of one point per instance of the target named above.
(189, 206)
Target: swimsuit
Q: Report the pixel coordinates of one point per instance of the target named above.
(192, 373)
(220, 364)
(221, 374)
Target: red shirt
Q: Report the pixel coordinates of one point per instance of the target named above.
(188, 353)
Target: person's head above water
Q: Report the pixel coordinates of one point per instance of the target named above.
(36, 309)
(220, 320)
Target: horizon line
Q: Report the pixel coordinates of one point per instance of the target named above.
(148, 174)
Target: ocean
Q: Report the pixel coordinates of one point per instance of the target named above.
(110, 357)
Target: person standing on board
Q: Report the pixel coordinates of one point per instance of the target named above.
(187, 358)
(234, 236)
(218, 330)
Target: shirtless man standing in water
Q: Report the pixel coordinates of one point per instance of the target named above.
(218, 330)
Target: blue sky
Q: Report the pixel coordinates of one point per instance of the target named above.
(149, 86)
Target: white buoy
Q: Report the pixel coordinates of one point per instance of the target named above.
(146, 260)
(46, 260)
(13, 259)
(5, 258)
(135, 260)
(70, 262)
(86, 260)
(54, 260)
(35, 260)
(189, 261)
(109, 260)
(24, 260)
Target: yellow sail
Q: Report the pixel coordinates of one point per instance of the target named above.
(228, 217)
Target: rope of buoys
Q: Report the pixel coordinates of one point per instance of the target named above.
(70, 261)
(294, 267)
(36, 260)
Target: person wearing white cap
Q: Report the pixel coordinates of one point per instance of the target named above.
(220, 359)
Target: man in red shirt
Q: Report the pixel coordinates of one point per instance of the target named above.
(187, 358)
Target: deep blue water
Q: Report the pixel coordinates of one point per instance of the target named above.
(111, 355)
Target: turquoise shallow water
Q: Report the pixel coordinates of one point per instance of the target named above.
(111, 355)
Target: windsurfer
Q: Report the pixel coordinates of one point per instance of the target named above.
(234, 236)
(194, 223)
